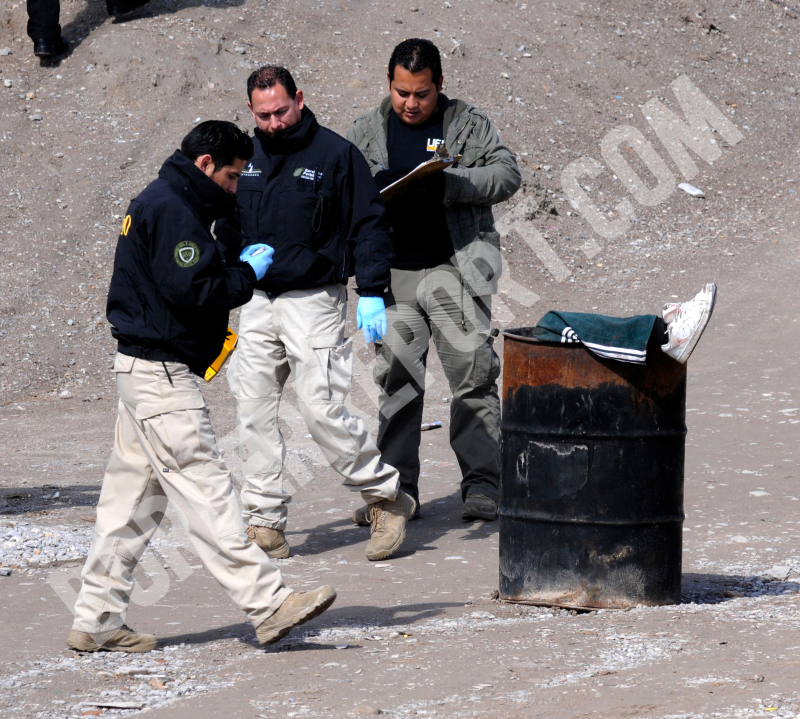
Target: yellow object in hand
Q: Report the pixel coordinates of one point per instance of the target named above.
(231, 338)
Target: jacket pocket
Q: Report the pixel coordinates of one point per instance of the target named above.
(480, 260)
(307, 205)
(249, 201)
(329, 368)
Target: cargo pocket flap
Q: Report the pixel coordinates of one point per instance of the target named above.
(145, 410)
(123, 363)
(318, 342)
(330, 368)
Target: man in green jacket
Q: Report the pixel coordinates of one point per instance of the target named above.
(446, 269)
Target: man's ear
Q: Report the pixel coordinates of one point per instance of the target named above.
(389, 82)
(441, 84)
(298, 98)
(205, 164)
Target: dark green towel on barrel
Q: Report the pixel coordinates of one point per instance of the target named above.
(619, 338)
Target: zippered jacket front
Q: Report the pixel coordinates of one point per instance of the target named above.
(309, 194)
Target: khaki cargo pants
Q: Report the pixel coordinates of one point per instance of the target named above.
(300, 331)
(165, 450)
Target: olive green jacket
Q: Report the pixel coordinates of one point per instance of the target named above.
(487, 174)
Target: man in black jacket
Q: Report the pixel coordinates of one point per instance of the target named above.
(171, 290)
(308, 193)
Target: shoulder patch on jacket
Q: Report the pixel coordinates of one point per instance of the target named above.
(187, 253)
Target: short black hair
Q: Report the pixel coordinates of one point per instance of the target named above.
(221, 139)
(416, 55)
(268, 76)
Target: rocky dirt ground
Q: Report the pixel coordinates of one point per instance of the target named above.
(420, 634)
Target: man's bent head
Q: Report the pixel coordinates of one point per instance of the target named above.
(274, 99)
(220, 150)
(415, 80)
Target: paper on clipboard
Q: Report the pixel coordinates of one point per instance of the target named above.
(437, 163)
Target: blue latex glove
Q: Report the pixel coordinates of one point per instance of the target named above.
(259, 257)
(371, 315)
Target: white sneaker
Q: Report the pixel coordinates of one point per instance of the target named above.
(686, 322)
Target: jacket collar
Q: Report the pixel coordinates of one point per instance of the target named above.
(292, 138)
(205, 195)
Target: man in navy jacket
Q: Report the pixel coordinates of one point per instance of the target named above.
(171, 290)
(308, 193)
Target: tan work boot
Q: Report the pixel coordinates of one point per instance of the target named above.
(123, 639)
(388, 520)
(272, 541)
(361, 516)
(297, 608)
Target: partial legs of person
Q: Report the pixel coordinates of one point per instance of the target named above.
(165, 450)
(683, 323)
(302, 331)
(44, 28)
(433, 304)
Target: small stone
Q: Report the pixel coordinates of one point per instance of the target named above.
(66, 394)
(370, 711)
(240, 50)
(59, 154)
(7, 83)
(37, 116)
(5, 572)
(4, 51)
(779, 572)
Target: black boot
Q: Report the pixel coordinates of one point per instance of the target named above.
(123, 7)
(50, 48)
(477, 506)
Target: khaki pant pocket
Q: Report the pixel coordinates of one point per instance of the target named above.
(330, 368)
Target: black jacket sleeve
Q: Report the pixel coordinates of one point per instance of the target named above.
(188, 266)
(369, 232)
(228, 232)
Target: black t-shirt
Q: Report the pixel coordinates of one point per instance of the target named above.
(421, 237)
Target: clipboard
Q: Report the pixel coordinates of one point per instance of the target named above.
(438, 163)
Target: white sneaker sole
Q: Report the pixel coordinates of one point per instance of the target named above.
(691, 343)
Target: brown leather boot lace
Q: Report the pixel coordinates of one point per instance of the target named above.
(377, 518)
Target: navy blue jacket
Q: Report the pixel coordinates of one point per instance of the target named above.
(309, 194)
(172, 285)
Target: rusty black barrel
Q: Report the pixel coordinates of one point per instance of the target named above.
(591, 495)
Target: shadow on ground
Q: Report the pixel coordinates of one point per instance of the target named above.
(340, 618)
(438, 518)
(21, 500)
(717, 588)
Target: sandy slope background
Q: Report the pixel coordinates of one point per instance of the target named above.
(419, 635)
